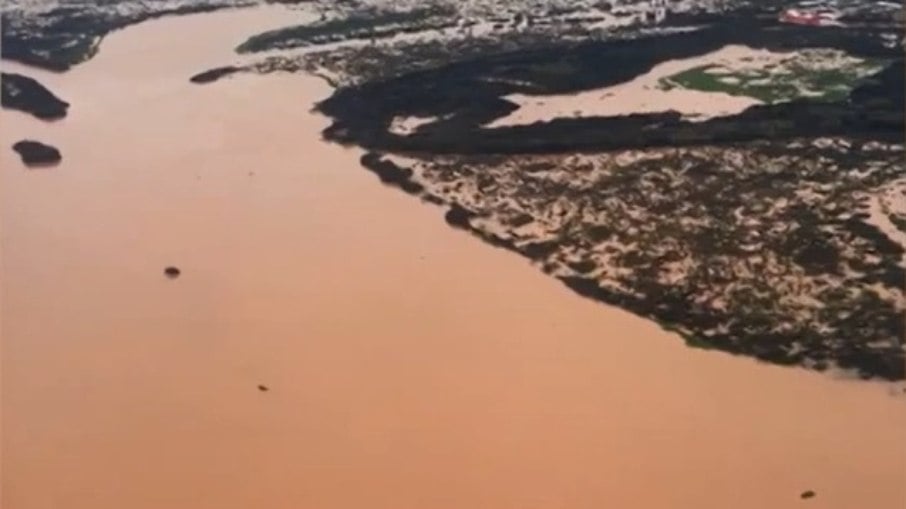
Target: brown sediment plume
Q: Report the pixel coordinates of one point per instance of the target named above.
(467, 379)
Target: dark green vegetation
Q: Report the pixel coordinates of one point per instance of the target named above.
(34, 153)
(759, 249)
(373, 25)
(26, 94)
(55, 53)
(390, 173)
(469, 94)
(356, 64)
(740, 233)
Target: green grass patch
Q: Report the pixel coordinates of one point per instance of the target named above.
(801, 76)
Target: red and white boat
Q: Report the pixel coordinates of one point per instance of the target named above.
(811, 18)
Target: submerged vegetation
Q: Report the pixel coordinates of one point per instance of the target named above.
(763, 249)
(57, 35)
(769, 233)
(469, 94)
(751, 233)
(28, 95)
(367, 24)
(35, 153)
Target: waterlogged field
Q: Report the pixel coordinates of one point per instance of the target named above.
(325, 331)
(779, 77)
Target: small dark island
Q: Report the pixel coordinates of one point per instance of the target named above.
(35, 153)
(26, 94)
(214, 74)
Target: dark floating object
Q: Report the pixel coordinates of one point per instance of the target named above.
(263, 388)
(214, 74)
(807, 494)
(172, 272)
(26, 94)
(35, 153)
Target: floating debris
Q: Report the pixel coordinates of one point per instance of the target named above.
(263, 388)
(172, 272)
(807, 494)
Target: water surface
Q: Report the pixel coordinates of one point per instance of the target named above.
(409, 365)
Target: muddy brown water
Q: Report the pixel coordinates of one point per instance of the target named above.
(408, 365)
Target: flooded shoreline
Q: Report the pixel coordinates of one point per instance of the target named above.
(649, 93)
(408, 364)
(640, 95)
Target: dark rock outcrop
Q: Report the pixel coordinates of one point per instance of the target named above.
(28, 95)
(35, 153)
